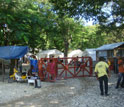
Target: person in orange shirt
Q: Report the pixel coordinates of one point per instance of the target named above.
(121, 73)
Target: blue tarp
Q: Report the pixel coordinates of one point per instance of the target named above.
(13, 52)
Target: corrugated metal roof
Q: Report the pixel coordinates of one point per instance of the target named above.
(109, 46)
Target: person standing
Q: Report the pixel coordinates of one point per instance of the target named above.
(116, 65)
(102, 75)
(52, 69)
(78, 63)
(41, 70)
(121, 73)
(20, 65)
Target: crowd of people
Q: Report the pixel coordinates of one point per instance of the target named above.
(47, 69)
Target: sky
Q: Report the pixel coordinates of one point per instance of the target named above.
(107, 8)
(89, 23)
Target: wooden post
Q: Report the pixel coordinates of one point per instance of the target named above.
(115, 52)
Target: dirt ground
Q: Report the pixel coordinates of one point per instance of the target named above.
(79, 92)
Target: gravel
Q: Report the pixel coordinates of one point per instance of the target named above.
(78, 92)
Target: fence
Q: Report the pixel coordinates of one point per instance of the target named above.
(51, 69)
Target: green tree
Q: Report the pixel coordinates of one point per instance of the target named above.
(100, 10)
(89, 37)
(22, 22)
(108, 13)
(67, 30)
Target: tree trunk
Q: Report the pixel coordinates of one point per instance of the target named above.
(66, 48)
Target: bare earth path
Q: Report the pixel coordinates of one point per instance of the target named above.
(79, 92)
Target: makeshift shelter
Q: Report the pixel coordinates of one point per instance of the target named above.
(91, 53)
(76, 53)
(48, 53)
(11, 52)
(111, 50)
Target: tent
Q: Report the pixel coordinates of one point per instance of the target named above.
(91, 53)
(12, 52)
(48, 53)
(76, 53)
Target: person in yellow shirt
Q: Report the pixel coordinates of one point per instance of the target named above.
(102, 73)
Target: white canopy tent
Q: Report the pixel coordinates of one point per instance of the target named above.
(29, 54)
(48, 53)
(76, 53)
(91, 53)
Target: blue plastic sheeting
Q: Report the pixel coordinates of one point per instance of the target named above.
(13, 52)
(34, 63)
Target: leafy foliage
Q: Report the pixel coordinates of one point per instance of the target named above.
(108, 13)
(45, 24)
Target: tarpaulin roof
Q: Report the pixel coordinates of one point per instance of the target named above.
(109, 46)
(13, 52)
